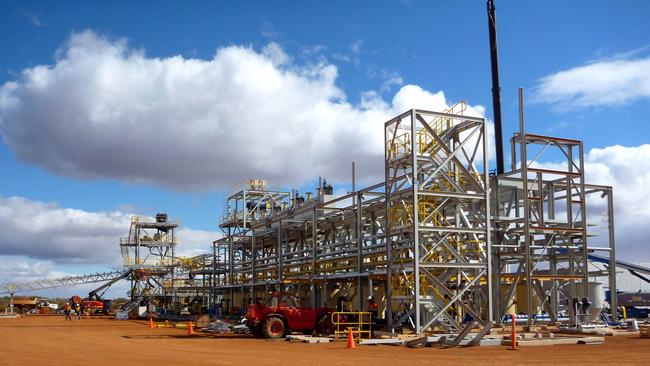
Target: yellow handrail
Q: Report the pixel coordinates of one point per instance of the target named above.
(359, 322)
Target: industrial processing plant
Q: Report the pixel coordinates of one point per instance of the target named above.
(457, 252)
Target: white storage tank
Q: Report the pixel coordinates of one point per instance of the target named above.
(597, 299)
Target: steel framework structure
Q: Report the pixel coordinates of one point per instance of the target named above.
(440, 244)
(438, 220)
(540, 228)
(532, 233)
(149, 250)
(304, 246)
(423, 240)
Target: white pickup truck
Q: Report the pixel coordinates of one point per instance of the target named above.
(46, 304)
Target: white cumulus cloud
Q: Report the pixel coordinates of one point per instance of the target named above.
(51, 235)
(104, 110)
(608, 82)
(46, 231)
(22, 269)
(627, 170)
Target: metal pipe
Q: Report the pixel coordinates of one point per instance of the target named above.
(612, 255)
(524, 178)
(353, 184)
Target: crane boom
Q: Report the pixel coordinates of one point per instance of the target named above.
(496, 88)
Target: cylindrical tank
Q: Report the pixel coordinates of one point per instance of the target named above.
(596, 295)
(597, 299)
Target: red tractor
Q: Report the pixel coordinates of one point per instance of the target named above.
(283, 314)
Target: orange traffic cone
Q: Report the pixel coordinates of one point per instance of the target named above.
(150, 323)
(190, 328)
(350, 340)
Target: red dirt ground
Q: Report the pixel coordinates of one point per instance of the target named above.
(48, 340)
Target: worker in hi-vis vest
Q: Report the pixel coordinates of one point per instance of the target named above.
(66, 311)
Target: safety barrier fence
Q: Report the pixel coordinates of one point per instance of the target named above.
(358, 322)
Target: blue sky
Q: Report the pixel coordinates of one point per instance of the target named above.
(374, 46)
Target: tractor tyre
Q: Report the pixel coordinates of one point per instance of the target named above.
(274, 328)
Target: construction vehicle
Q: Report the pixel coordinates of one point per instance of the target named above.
(283, 314)
(42, 306)
(95, 303)
(90, 306)
(93, 306)
(46, 307)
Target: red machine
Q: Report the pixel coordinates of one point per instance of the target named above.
(92, 306)
(94, 303)
(284, 313)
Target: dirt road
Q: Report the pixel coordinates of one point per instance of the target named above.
(48, 340)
